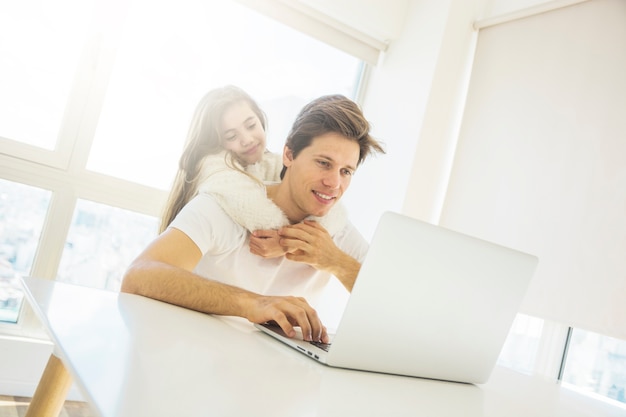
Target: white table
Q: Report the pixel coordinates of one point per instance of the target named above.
(133, 356)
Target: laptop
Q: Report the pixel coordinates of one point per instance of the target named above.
(428, 302)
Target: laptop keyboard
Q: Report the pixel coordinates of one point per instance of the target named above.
(323, 346)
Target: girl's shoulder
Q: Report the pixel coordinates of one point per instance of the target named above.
(211, 164)
(268, 168)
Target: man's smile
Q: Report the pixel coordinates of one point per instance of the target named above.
(325, 197)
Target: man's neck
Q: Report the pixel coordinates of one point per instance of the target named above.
(279, 194)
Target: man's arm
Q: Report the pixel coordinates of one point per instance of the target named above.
(163, 271)
(310, 243)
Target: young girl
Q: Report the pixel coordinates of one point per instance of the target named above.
(225, 155)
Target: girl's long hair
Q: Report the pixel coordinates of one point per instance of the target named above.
(203, 139)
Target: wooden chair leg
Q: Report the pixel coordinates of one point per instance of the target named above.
(51, 391)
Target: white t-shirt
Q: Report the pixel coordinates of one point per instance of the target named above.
(226, 256)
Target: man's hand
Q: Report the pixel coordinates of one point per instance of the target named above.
(288, 312)
(310, 243)
(266, 243)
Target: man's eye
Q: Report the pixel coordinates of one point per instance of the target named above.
(347, 172)
(325, 164)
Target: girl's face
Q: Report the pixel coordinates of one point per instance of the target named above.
(242, 133)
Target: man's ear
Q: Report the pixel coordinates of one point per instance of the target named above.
(287, 156)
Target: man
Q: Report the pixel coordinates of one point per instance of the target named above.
(203, 261)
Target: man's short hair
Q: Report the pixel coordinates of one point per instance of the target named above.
(331, 114)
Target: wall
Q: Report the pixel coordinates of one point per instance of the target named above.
(414, 101)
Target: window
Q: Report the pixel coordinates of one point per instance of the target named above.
(39, 52)
(98, 97)
(521, 346)
(22, 213)
(162, 71)
(101, 243)
(596, 364)
(584, 361)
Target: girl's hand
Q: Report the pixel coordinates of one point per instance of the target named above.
(266, 243)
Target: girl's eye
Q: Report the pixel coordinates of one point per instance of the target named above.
(252, 126)
(230, 138)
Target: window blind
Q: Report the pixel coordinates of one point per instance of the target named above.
(540, 163)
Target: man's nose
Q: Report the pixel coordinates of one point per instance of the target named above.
(332, 179)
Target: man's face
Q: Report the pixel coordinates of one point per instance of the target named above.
(320, 174)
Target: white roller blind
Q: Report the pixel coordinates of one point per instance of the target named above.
(541, 158)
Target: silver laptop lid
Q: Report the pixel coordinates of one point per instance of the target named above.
(431, 302)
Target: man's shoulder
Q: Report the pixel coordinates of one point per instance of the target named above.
(208, 225)
(206, 206)
(350, 240)
(202, 201)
